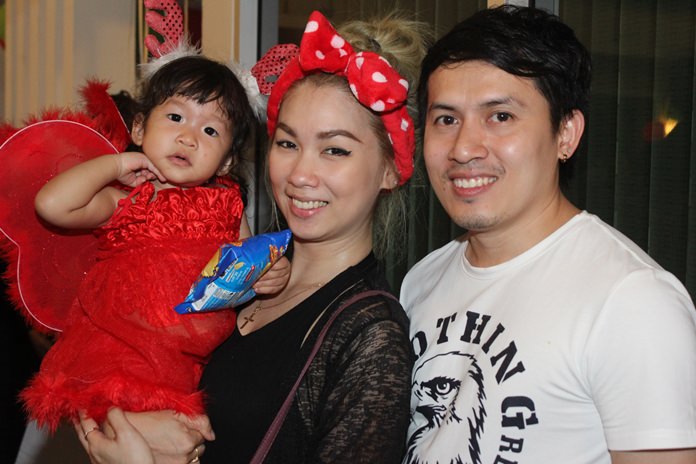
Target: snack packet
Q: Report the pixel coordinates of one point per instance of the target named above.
(226, 280)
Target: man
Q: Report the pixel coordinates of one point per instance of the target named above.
(543, 335)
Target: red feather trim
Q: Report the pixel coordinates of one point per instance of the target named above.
(6, 131)
(100, 113)
(51, 400)
(107, 119)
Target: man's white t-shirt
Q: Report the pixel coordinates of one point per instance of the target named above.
(579, 345)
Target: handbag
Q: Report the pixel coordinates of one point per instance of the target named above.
(274, 428)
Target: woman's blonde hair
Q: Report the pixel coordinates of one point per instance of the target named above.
(403, 42)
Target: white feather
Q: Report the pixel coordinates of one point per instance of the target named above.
(257, 101)
(183, 48)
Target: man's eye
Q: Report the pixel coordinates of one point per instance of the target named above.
(445, 120)
(502, 117)
(174, 117)
(210, 131)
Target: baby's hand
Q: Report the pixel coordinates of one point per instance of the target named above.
(275, 279)
(135, 168)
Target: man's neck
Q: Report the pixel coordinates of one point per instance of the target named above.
(491, 247)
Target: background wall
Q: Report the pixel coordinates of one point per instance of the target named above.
(52, 46)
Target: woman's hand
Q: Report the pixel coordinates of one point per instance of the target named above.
(168, 437)
(126, 445)
(173, 437)
(135, 168)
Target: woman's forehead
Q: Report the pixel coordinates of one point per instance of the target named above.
(325, 108)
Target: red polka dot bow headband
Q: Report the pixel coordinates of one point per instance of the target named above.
(374, 83)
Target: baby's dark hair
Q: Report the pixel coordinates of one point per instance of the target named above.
(126, 105)
(203, 80)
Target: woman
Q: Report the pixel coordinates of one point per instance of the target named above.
(336, 165)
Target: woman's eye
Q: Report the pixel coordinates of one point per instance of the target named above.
(210, 131)
(174, 117)
(337, 151)
(286, 144)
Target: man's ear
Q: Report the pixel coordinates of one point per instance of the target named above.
(570, 134)
(138, 130)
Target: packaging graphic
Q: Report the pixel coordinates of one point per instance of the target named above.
(226, 280)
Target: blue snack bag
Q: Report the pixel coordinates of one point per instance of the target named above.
(226, 280)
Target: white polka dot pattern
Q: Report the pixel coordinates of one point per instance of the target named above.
(372, 80)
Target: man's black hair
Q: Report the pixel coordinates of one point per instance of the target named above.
(525, 42)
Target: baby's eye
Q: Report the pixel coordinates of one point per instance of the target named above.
(210, 131)
(335, 151)
(174, 117)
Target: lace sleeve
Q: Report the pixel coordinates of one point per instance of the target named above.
(364, 405)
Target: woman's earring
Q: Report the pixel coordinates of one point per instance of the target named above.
(564, 158)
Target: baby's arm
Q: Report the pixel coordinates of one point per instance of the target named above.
(276, 278)
(244, 229)
(81, 196)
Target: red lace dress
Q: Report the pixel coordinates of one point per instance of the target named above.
(124, 344)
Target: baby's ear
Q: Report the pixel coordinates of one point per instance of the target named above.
(138, 129)
(226, 166)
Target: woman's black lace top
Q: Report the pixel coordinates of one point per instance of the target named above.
(353, 404)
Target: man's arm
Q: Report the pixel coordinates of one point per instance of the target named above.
(682, 456)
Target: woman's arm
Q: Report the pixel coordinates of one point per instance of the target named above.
(81, 197)
(123, 445)
(165, 436)
(172, 436)
(366, 412)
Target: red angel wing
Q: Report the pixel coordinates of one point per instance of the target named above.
(50, 262)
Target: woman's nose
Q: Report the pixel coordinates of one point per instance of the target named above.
(304, 171)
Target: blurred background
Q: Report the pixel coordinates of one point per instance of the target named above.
(636, 168)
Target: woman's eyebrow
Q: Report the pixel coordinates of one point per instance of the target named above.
(338, 133)
(285, 128)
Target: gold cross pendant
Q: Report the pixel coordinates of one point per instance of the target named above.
(250, 317)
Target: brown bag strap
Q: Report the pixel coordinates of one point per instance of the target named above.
(272, 432)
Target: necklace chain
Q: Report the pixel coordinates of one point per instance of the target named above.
(259, 307)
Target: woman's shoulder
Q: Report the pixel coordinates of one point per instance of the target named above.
(369, 335)
(369, 303)
(370, 311)
(360, 308)
(369, 296)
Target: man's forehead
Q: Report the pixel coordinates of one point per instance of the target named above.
(478, 83)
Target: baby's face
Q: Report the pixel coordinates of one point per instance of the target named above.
(187, 141)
